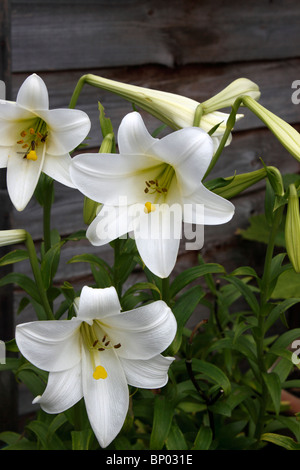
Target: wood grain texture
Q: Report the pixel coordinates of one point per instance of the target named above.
(131, 32)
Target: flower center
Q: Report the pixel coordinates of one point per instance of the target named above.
(31, 138)
(159, 187)
(97, 342)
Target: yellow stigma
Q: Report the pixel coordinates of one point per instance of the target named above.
(149, 207)
(99, 373)
(32, 155)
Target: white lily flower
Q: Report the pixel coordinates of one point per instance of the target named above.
(35, 139)
(96, 355)
(148, 183)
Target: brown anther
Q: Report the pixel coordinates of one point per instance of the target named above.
(152, 182)
(146, 190)
(20, 141)
(107, 343)
(95, 342)
(147, 184)
(116, 346)
(164, 190)
(103, 339)
(24, 146)
(32, 131)
(23, 133)
(101, 349)
(40, 136)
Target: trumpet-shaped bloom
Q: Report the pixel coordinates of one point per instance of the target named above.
(96, 355)
(34, 139)
(149, 189)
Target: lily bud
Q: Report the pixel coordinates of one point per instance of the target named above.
(285, 133)
(238, 183)
(227, 97)
(174, 110)
(12, 237)
(275, 179)
(292, 228)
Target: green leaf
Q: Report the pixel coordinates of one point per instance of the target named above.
(287, 285)
(15, 441)
(212, 372)
(175, 439)
(191, 274)
(14, 257)
(259, 231)
(203, 439)
(278, 311)
(246, 292)
(24, 282)
(273, 384)
(162, 421)
(287, 442)
(50, 263)
(81, 440)
(48, 440)
(183, 309)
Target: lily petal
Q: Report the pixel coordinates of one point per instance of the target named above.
(106, 178)
(133, 136)
(64, 389)
(143, 332)
(58, 168)
(33, 93)
(189, 151)
(147, 374)
(23, 176)
(158, 238)
(50, 345)
(217, 210)
(98, 303)
(107, 399)
(67, 128)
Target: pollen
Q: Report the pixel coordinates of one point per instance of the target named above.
(149, 207)
(32, 155)
(99, 373)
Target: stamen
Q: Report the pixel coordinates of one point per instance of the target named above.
(117, 346)
(31, 131)
(23, 133)
(99, 373)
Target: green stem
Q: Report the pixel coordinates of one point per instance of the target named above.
(166, 290)
(261, 321)
(37, 276)
(47, 217)
(229, 126)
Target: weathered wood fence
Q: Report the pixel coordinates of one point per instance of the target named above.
(194, 48)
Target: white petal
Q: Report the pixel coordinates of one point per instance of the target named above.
(33, 93)
(143, 332)
(217, 210)
(107, 399)
(107, 178)
(133, 136)
(113, 222)
(58, 168)
(189, 151)
(64, 389)
(158, 238)
(23, 176)
(152, 373)
(13, 120)
(50, 345)
(98, 303)
(67, 128)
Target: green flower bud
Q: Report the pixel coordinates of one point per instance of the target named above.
(275, 179)
(292, 228)
(285, 133)
(239, 183)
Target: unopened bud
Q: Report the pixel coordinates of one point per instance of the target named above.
(275, 178)
(292, 228)
(12, 237)
(234, 185)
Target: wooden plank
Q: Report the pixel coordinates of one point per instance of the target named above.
(197, 82)
(74, 34)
